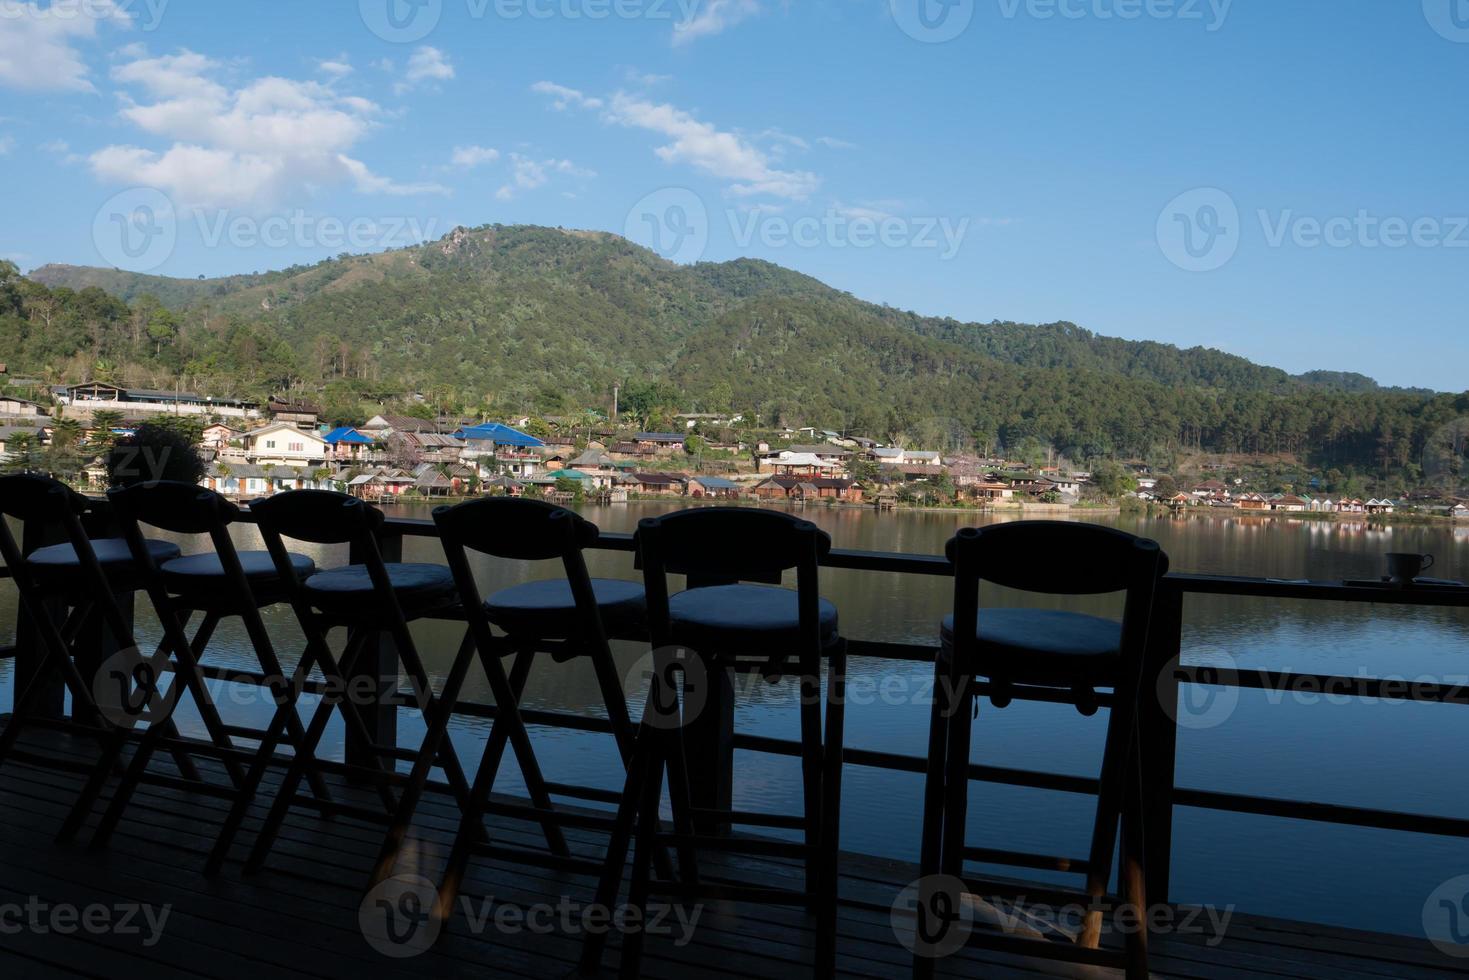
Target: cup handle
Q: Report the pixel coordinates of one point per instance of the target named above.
(1427, 562)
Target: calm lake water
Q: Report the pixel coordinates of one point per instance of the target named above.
(1391, 755)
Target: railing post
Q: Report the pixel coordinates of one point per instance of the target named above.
(1158, 728)
(30, 657)
(709, 744)
(378, 665)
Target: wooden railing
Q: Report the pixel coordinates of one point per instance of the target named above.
(1158, 719)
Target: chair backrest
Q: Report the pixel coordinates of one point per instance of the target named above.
(730, 543)
(182, 508)
(317, 516)
(31, 497)
(1055, 557)
(515, 528)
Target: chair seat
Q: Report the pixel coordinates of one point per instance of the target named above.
(744, 619)
(1044, 646)
(59, 564)
(193, 572)
(419, 587)
(546, 609)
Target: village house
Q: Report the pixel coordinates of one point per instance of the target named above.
(12, 407)
(798, 488)
(282, 444)
(10, 433)
(630, 451)
(303, 415)
(1383, 506)
(346, 444)
(990, 490)
(895, 456)
(804, 464)
(661, 483)
(1459, 512)
(663, 443)
(712, 486)
(381, 426)
(237, 479)
(218, 437)
(826, 451)
(94, 396)
(1289, 503)
(1210, 488)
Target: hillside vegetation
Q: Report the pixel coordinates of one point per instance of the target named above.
(526, 319)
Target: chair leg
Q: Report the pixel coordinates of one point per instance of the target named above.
(509, 729)
(448, 756)
(423, 763)
(1134, 867)
(137, 766)
(956, 776)
(610, 881)
(281, 721)
(810, 695)
(831, 813)
(934, 795)
(638, 890)
(1110, 796)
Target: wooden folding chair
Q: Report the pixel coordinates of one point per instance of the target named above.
(724, 622)
(1064, 655)
(71, 576)
(566, 618)
(219, 584)
(370, 599)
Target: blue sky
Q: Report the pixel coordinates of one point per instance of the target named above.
(1281, 180)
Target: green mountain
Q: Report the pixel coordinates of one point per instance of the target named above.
(539, 319)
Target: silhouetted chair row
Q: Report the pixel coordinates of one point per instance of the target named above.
(733, 617)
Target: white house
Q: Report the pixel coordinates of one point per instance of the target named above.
(282, 444)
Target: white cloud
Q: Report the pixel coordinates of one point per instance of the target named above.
(426, 64)
(726, 155)
(645, 79)
(255, 146)
(7, 143)
(565, 98)
(721, 154)
(527, 173)
(831, 142)
(55, 147)
(713, 18)
(38, 44)
(469, 157)
(337, 67)
(869, 210)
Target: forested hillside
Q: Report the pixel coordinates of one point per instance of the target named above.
(523, 319)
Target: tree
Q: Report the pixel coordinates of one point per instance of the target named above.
(1165, 488)
(1111, 479)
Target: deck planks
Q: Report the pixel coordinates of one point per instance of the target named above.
(298, 918)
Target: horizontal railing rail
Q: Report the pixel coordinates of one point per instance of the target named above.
(1159, 717)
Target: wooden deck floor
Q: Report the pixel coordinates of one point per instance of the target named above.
(299, 918)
